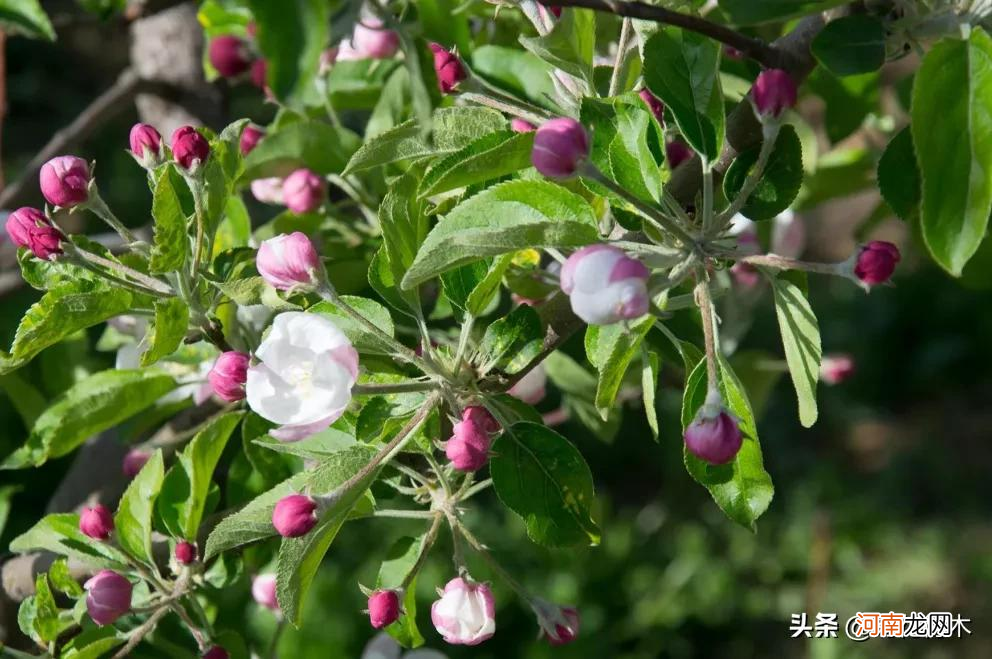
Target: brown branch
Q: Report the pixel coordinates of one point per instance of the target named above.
(754, 48)
(106, 106)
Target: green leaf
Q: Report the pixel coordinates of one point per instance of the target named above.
(312, 144)
(133, 520)
(539, 475)
(512, 342)
(7, 492)
(750, 12)
(25, 397)
(899, 177)
(254, 521)
(473, 287)
(61, 312)
(622, 135)
(168, 331)
(780, 182)
(46, 613)
(171, 242)
(485, 159)
(93, 643)
(651, 365)
(682, 69)
(611, 348)
(63, 580)
(399, 564)
(358, 84)
(741, 488)
(404, 142)
(457, 127)
(504, 218)
(59, 533)
(851, 45)
(801, 341)
(183, 496)
(515, 70)
(404, 227)
(952, 133)
(89, 407)
(292, 35)
(300, 557)
(27, 18)
(361, 337)
(570, 45)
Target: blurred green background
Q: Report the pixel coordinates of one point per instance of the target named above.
(886, 504)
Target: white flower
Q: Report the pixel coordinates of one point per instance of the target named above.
(267, 190)
(304, 376)
(605, 285)
(466, 612)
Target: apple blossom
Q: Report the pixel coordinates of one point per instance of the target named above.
(263, 590)
(189, 148)
(289, 261)
(560, 145)
(384, 608)
(294, 515)
(875, 262)
(466, 612)
(268, 190)
(185, 552)
(773, 93)
(134, 461)
(448, 68)
(28, 227)
(250, 137)
(96, 522)
(303, 191)
(146, 145)
(302, 381)
(371, 40)
(559, 624)
(834, 369)
(714, 436)
(229, 54)
(65, 181)
(108, 597)
(605, 285)
(228, 375)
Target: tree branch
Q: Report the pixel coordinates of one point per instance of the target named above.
(754, 48)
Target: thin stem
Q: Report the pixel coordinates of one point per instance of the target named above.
(756, 49)
(396, 388)
(153, 286)
(463, 337)
(394, 446)
(102, 210)
(783, 263)
(707, 195)
(705, 302)
(620, 65)
(425, 549)
(509, 107)
(753, 176)
(475, 489)
(661, 220)
(405, 514)
(139, 633)
(276, 635)
(493, 563)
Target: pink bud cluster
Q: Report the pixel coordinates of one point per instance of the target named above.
(448, 68)
(29, 228)
(468, 448)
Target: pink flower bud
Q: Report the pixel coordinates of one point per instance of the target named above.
(732, 53)
(216, 652)
(466, 613)
(876, 262)
(189, 148)
(532, 387)
(28, 227)
(108, 597)
(303, 191)
(96, 522)
(605, 285)
(65, 181)
(185, 552)
(288, 261)
(657, 107)
(267, 190)
(384, 608)
(372, 41)
(773, 93)
(263, 591)
(676, 153)
(260, 74)
(518, 125)
(230, 55)
(481, 417)
(834, 369)
(468, 448)
(45, 242)
(228, 375)
(559, 624)
(448, 68)
(134, 461)
(146, 145)
(714, 436)
(559, 146)
(556, 10)
(250, 137)
(294, 515)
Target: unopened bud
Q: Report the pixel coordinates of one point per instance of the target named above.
(288, 261)
(303, 191)
(773, 93)
(228, 375)
(294, 515)
(65, 181)
(250, 137)
(714, 436)
(384, 608)
(189, 148)
(96, 522)
(230, 55)
(185, 552)
(605, 285)
(134, 461)
(835, 369)
(657, 107)
(108, 597)
(448, 68)
(263, 591)
(876, 261)
(560, 145)
(146, 145)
